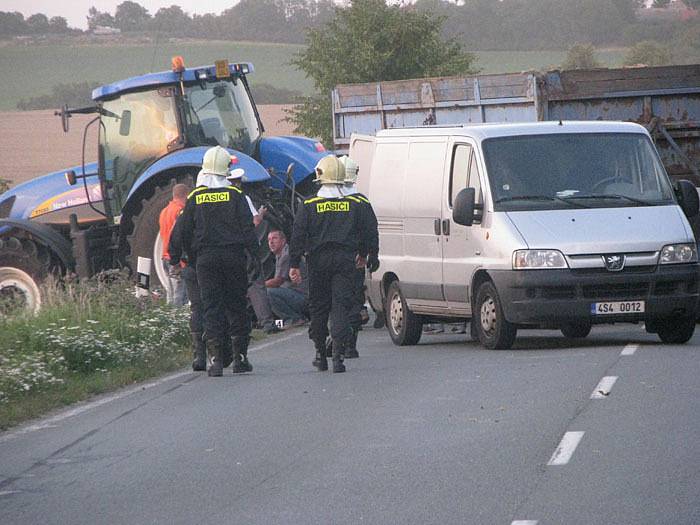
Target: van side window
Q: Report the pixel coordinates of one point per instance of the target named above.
(474, 181)
(460, 169)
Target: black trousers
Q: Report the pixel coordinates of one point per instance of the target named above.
(223, 283)
(358, 298)
(189, 275)
(331, 288)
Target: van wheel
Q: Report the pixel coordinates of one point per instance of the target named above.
(576, 330)
(404, 326)
(494, 331)
(676, 331)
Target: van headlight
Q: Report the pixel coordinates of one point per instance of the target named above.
(538, 260)
(678, 253)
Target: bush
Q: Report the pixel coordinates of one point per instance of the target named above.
(74, 95)
(581, 56)
(648, 53)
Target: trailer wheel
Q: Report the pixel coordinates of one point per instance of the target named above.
(676, 331)
(494, 331)
(20, 276)
(405, 327)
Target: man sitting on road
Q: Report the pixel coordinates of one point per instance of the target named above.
(288, 300)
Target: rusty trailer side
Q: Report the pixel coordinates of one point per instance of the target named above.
(664, 99)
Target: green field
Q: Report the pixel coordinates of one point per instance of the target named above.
(30, 71)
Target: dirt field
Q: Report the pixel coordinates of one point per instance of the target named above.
(32, 143)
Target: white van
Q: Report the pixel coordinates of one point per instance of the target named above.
(550, 225)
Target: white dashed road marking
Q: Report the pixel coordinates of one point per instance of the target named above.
(604, 387)
(629, 350)
(524, 522)
(566, 448)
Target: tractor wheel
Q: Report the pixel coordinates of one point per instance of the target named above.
(143, 239)
(22, 269)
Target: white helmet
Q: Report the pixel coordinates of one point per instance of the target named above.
(216, 162)
(329, 171)
(351, 169)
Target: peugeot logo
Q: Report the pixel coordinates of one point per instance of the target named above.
(614, 263)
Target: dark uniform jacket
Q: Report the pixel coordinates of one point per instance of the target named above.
(341, 223)
(217, 217)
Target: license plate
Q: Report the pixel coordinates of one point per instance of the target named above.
(617, 307)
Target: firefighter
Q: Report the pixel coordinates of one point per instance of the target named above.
(371, 262)
(333, 230)
(218, 229)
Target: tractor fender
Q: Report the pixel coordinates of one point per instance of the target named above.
(192, 158)
(279, 152)
(51, 238)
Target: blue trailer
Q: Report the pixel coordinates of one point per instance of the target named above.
(153, 132)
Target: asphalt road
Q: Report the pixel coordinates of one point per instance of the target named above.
(440, 433)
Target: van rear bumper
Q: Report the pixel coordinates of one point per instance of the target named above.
(554, 297)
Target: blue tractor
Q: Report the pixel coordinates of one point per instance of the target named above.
(153, 132)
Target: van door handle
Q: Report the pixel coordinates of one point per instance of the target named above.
(446, 227)
(436, 226)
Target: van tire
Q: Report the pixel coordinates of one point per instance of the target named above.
(405, 327)
(494, 331)
(676, 331)
(576, 330)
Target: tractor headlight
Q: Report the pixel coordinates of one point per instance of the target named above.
(538, 260)
(678, 254)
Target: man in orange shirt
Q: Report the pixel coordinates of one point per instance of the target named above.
(175, 288)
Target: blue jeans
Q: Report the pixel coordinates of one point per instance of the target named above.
(286, 303)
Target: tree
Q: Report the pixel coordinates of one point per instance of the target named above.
(581, 56)
(131, 16)
(12, 24)
(692, 4)
(38, 24)
(648, 53)
(369, 41)
(171, 20)
(98, 18)
(58, 24)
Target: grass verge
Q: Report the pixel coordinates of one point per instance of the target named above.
(89, 338)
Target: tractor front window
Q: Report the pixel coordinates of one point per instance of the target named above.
(220, 113)
(137, 129)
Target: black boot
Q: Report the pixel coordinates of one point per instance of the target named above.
(351, 350)
(338, 356)
(215, 350)
(199, 350)
(320, 360)
(240, 354)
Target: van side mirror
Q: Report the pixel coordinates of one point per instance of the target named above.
(125, 123)
(687, 195)
(463, 207)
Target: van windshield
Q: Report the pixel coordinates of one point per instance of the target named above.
(559, 171)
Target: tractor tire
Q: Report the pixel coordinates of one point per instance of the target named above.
(143, 239)
(22, 269)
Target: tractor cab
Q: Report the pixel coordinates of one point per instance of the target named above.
(144, 118)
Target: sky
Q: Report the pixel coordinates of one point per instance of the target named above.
(75, 11)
